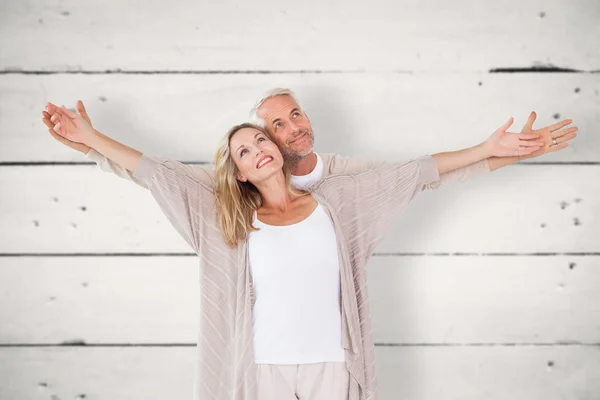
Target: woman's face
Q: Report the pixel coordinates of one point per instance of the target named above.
(255, 155)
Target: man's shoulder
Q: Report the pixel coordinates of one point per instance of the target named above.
(337, 164)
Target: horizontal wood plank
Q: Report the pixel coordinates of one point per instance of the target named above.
(518, 209)
(275, 36)
(422, 372)
(390, 116)
(413, 300)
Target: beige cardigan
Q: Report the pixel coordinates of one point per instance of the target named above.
(361, 206)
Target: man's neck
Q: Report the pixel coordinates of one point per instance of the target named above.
(304, 166)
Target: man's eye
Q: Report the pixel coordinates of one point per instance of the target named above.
(277, 125)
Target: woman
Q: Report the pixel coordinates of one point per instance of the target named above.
(245, 340)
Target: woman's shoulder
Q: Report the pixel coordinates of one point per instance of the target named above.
(170, 172)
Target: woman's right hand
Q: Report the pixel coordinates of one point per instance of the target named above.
(69, 125)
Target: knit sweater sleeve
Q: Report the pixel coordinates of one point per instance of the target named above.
(343, 165)
(183, 193)
(366, 203)
(108, 165)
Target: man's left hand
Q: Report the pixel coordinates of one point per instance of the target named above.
(549, 133)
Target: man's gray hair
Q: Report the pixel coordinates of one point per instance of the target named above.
(255, 118)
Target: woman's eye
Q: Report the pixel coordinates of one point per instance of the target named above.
(260, 139)
(243, 152)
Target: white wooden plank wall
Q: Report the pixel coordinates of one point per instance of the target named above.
(486, 290)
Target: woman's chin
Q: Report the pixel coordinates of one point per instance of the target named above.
(266, 173)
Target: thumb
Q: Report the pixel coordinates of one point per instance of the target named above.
(83, 112)
(507, 124)
(529, 124)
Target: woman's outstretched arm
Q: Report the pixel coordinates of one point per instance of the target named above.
(103, 162)
(74, 128)
(504, 148)
(180, 190)
(368, 201)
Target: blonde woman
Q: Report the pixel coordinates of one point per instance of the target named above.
(284, 304)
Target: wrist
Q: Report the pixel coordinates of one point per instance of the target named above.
(91, 139)
(484, 150)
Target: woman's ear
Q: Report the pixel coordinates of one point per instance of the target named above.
(240, 177)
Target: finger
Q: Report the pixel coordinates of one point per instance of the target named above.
(565, 138)
(57, 129)
(47, 115)
(57, 117)
(559, 147)
(47, 122)
(58, 112)
(524, 151)
(51, 108)
(560, 124)
(57, 136)
(527, 136)
(83, 112)
(68, 112)
(538, 153)
(563, 132)
(507, 124)
(530, 143)
(529, 124)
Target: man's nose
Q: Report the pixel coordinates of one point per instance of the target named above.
(293, 126)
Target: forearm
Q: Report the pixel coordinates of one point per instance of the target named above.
(119, 153)
(451, 160)
(499, 162)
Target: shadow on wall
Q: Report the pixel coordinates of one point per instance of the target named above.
(332, 120)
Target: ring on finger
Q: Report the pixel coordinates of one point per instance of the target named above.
(554, 142)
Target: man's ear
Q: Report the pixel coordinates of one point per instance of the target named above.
(240, 177)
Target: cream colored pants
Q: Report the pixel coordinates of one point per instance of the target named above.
(317, 381)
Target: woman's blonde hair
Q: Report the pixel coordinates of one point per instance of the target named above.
(236, 201)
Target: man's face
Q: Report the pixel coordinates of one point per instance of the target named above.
(289, 127)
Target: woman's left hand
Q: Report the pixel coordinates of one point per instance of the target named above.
(505, 144)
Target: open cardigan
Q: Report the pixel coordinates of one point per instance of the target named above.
(361, 206)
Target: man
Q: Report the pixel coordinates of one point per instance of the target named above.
(279, 112)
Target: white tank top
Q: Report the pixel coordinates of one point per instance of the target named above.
(296, 277)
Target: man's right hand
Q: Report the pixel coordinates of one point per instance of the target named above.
(74, 145)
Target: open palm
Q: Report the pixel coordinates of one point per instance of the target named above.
(550, 133)
(504, 144)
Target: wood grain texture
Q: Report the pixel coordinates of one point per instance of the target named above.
(537, 208)
(412, 373)
(388, 80)
(389, 116)
(275, 36)
(413, 300)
